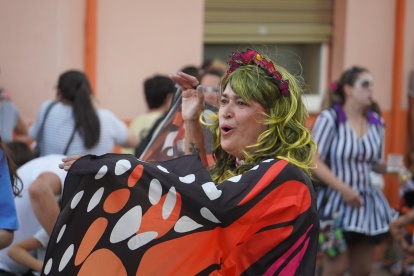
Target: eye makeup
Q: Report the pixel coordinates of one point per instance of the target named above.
(366, 84)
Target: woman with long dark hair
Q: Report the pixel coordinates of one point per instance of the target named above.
(9, 187)
(350, 141)
(70, 124)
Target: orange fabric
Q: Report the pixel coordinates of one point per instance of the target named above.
(102, 263)
(286, 202)
(135, 175)
(265, 181)
(91, 238)
(116, 201)
(153, 220)
(178, 120)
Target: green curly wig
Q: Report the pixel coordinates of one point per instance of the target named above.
(286, 136)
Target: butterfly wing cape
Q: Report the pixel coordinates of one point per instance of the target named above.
(122, 216)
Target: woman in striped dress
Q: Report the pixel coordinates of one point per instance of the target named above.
(350, 143)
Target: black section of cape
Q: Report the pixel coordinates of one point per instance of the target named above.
(122, 216)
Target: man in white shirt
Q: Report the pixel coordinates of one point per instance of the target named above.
(37, 207)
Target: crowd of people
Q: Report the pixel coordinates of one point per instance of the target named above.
(282, 193)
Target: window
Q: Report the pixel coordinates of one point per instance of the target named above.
(305, 60)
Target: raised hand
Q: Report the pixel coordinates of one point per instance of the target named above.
(192, 97)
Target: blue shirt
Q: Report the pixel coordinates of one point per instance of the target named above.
(8, 216)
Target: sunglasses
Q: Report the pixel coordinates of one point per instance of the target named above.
(213, 89)
(366, 84)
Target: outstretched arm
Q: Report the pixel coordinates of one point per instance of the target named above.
(192, 106)
(20, 253)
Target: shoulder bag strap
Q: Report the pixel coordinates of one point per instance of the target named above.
(70, 140)
(39, 136)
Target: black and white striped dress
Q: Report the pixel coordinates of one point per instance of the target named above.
(351, 159)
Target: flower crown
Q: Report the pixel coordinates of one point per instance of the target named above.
(251, 58)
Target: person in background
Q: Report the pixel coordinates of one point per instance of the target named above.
(20, 252)
(20, 153)
(350, 142)
(11, 121)
(192, 71)
(37, 207)
(159, 91)
(216, 64)
(73, 126)
(210, 81)
(8, 189)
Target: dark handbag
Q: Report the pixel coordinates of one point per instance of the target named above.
(39, 138)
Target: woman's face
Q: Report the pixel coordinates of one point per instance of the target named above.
(240, 123)
(361, 92)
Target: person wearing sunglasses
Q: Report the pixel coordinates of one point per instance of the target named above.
(210, 81)
(350, 141)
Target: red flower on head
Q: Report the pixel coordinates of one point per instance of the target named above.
(246, 58)
(271, 69)
(284, 88)
(250, 52)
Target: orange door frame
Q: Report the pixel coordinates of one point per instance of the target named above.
(90, 42)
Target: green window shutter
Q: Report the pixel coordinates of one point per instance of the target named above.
(268, 21)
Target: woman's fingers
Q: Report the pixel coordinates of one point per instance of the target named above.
(191, 79)
(185, 81)
(72, 157)
(184, 85)
(68, 161)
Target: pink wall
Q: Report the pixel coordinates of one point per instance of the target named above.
(369, 42)
(39, 39)
(138, 39)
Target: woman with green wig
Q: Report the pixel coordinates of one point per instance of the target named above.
(252, 213)
(260, 120)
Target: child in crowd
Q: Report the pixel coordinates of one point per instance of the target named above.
(397, 228)
(20, 252)
(8, 189)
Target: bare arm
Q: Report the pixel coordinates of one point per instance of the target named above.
(20, 253)
(192, 106)
(42, 197)
(323, 172)
(131, 141)
(6, 238)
